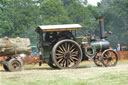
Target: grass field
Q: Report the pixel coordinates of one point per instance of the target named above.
(83, 75)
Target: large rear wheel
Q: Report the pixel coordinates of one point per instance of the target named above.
(66, 54)
(51, 64)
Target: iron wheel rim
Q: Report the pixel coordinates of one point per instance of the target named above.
(15, 65)
(109, 58)
(67, 54)
(97, 61)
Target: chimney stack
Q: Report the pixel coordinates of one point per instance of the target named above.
(101, 23)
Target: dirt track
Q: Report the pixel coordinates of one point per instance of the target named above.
(46, 73)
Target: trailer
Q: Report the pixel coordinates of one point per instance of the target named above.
(10, 50)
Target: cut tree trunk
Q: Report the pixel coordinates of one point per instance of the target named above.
(12, 46)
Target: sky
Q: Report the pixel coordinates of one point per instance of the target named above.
(93, 2)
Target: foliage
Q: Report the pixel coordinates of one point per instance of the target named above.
(20, 17)
(52, 12)
(115, 13)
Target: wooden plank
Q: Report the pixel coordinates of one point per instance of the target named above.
(122, 54)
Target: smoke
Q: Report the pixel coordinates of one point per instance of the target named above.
(116, 20)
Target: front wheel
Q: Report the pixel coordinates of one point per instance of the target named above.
(109, 58)
(66, 54)
(97, 61)
(5, 67)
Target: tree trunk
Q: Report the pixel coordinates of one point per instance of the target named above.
(12, 46)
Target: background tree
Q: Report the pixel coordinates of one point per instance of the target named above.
(115, 13)
(20, 17)
(53, 12)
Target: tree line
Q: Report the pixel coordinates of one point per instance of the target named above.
(20, 17)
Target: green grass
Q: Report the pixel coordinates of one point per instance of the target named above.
(104, 79)
(82, 76)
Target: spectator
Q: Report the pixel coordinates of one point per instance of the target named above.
(118, 47)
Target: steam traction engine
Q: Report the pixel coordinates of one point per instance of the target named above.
(60, 48)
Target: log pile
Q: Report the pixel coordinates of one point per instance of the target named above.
(12, 46)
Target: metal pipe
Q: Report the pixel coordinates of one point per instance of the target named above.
(101, 23)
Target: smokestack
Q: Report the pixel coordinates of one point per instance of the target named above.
(101, 23)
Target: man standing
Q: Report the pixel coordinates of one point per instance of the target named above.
(118, 47)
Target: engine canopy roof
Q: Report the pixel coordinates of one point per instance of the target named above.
(57, 28)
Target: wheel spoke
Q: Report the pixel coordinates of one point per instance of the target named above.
(64, 48)
(74, 55)
(111, 62)
(109, 53)
(105, 55)
(107, 62)
(68, 46)
(71, 59)
(71, 47)
(113, 56)
(64, 64)
(60, 60)
(76, 52)
(59, 54)
(114, 60)
(63, 61)
(60, 51)
(75, 58)
(69, 62)
(59, 57)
